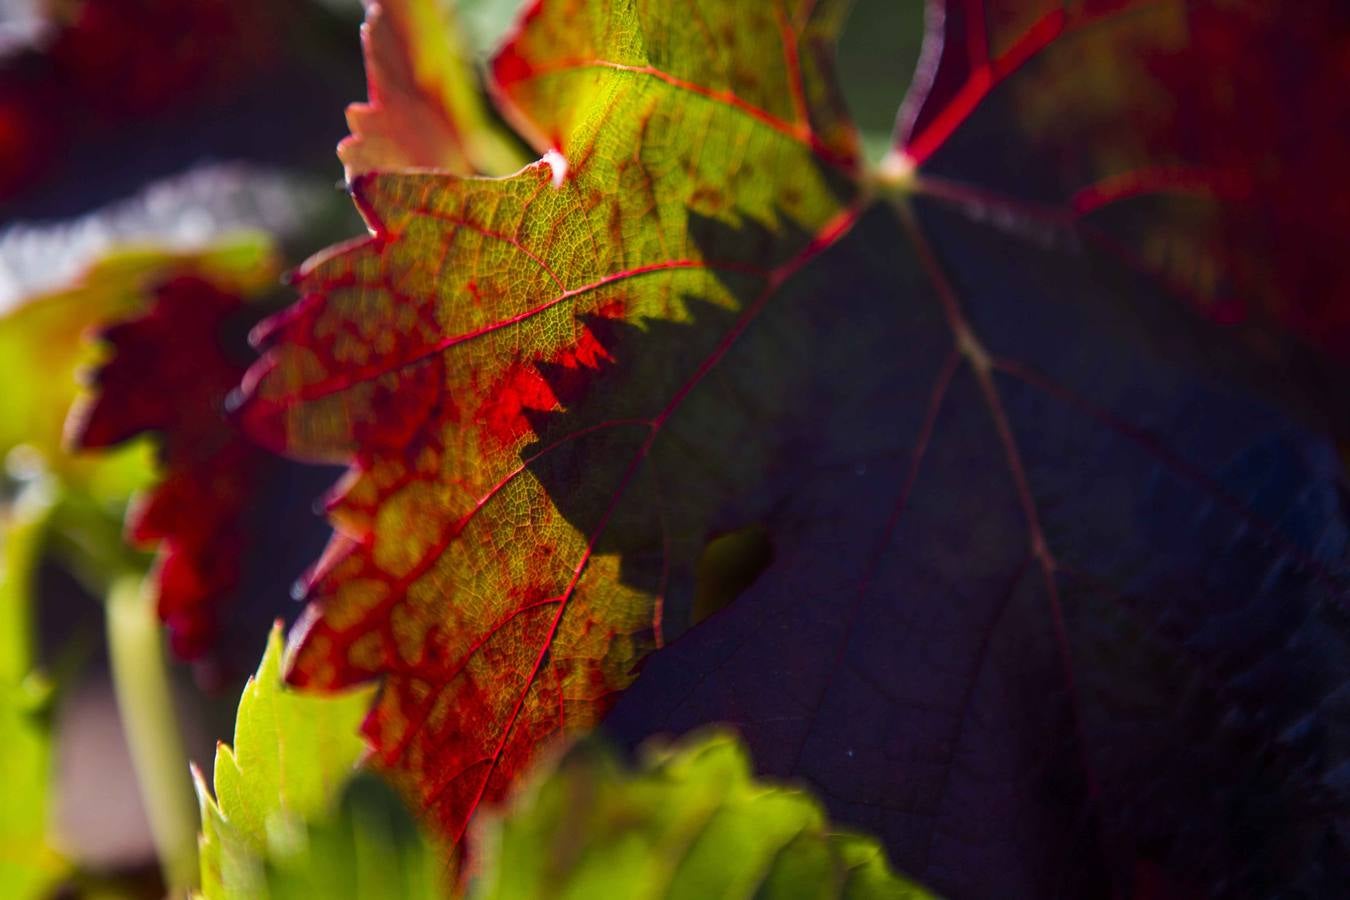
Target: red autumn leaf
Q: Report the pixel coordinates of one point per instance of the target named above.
(1053, 592)
(170, 371)
(488, 647)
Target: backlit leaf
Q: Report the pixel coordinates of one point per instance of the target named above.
(1053, 598)
(46, 334)
(425, 108)
(370, 847)
(291, 758)
(438, 352)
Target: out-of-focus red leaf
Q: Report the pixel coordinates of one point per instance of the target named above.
(170, 372)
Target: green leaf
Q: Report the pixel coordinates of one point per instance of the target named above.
(692, 822)
(292, 755)
(372, 848)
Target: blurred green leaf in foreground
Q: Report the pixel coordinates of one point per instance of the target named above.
(691, 823)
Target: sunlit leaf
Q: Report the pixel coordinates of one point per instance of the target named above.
(291, 758)
(371, 847)
(490, 648)
(1051, 572)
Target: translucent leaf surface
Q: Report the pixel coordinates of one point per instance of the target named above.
(1055, 581)
(291, 758)
(426, 109)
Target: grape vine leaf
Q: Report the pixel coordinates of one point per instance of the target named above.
(691, 822)
(48, 333)
(1054, 597)
(476, 684)
(169, 372)
(370, 847)
(291, 758)
(426, 109)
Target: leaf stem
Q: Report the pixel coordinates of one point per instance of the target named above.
(29, 866)
(145, 704)
(22, 528)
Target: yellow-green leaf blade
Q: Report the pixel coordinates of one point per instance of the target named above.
(291, 757)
